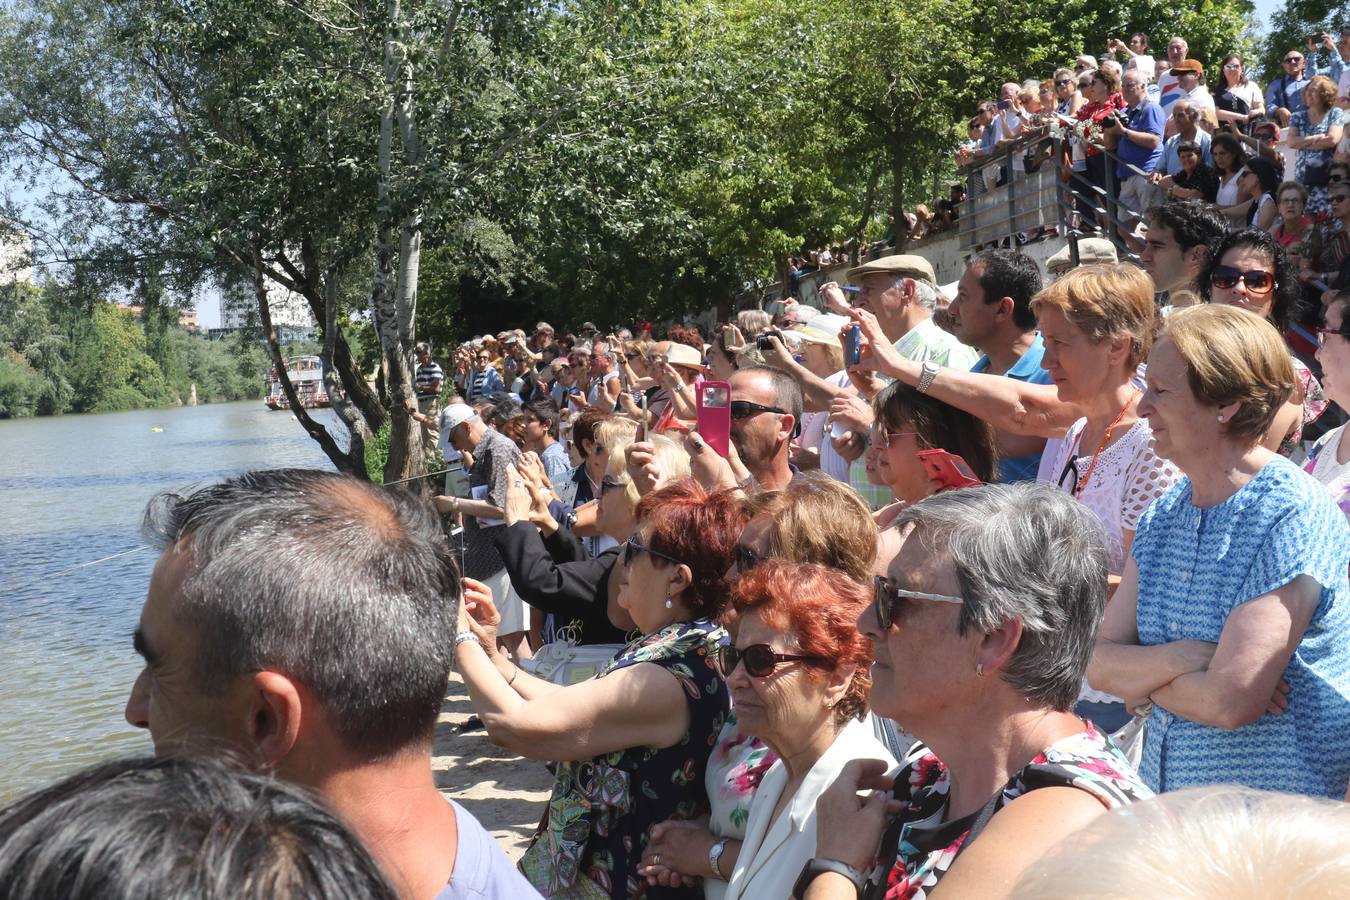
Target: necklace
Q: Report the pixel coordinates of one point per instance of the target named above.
(1106, 439)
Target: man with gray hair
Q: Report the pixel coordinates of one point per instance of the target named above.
(302, 622)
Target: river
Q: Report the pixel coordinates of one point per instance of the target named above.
(72, 490)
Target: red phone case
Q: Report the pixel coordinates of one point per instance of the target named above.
(948, 469)
(714, 422)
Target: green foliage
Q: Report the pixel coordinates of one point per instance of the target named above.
(377, 454)
(1292, 26)
(21, 388)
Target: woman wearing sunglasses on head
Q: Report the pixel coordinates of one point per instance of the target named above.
(816, 520)
(631, 744)
(981, 633)
(1249, 269)
(797, 672)
(1233, 618)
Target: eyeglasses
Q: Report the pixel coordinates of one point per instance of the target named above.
(1257, 281)
(608, 483)
(744, 409)
(1292, 59)
(885, 593)
(631, 549)
(746, 559)
(882, 439)
(1232, 65)
(1323, 334)
(760, 659)
(1336, 178)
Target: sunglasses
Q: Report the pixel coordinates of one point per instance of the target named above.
(631, 550)
(744, 409)
(607, 483)
(746, 559)
(887, 595)
(1062, 83)
(1339, 197)
(1257, 281)
(1336, 178)
(759, 659)
(882, 439)
(1292, 59)
(1232, 66)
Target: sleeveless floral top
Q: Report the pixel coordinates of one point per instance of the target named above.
(928, 845)
(595, 828)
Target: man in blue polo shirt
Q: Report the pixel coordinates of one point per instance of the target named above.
(992, 311)
(1138, 144)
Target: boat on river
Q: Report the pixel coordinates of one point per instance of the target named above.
(306, 375)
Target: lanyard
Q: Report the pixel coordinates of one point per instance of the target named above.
(1106, 439)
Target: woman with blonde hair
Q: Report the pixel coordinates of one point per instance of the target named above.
(1233, 618)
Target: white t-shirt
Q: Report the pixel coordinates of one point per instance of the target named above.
(1249, 93)
(1200, 98)
(1335, 475)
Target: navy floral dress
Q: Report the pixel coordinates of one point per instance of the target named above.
(595, 829)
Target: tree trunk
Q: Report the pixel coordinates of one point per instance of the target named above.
(356, 425)
(869, 206)
(394, 317)
(343, 461)
(898, 156)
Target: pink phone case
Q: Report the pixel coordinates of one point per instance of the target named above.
(714, 415)
(948, 469)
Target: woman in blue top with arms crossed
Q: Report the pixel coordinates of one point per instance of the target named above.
(1233, 616)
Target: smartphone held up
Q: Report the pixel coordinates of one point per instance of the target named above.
(714, 416)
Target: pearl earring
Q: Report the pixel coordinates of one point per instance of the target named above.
(1220, 417)
(670, 604)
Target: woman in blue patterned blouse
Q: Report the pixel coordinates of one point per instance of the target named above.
(1233, 616)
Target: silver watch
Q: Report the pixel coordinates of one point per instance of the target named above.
(715, 858)
(930, 371)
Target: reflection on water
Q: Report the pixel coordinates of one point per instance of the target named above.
(72, 489)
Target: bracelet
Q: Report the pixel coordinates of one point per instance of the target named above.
(454, 507)
(515, 670)
(464, 637)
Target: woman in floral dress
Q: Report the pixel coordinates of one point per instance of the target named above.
(631, 745)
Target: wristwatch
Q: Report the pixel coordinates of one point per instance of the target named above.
(930, 370)
(715, 858)
(815, 867)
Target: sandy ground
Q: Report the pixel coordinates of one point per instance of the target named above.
(505, 792)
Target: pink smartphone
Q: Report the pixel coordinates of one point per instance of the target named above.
(714, 415)
(948, 469)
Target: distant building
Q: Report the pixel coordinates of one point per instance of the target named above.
(291, 315)
(16, 255)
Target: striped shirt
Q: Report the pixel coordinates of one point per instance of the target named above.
(428, 380)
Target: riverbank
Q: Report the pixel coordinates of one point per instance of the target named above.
(503, 791)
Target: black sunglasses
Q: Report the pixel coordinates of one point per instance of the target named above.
(607, 483)
(1293, 59)
(631, 549)
(1064, 82)
(1257, 281)
(744, 409)
(760, 659)
(886, 596)
(1070, 467)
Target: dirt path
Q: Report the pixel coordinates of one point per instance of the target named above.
(503, 791)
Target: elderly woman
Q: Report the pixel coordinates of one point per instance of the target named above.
(1314, 132)
(981, 632)
(797, 672)
(1296, 231)
(629, 743)
(1248, 269)
(1233, 618)
(1329, 459)
(813, 520)
(1097, 323)
(1329, 266)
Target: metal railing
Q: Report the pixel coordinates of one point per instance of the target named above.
(1028, 190)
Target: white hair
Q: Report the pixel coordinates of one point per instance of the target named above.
(1224, 841)
(925, 294)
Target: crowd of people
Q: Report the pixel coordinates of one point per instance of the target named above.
(1035, 589)
(1138, 129)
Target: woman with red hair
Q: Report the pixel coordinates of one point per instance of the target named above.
(798, 675)
(631, 745)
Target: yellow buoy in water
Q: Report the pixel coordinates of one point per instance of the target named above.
(156, 428)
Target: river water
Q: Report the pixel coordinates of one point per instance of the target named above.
(72, 490)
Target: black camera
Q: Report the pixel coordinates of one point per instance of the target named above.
(763, 342)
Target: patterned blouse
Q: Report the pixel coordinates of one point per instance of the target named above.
(595, 828)
(928, 844)
(1323, 466)
(1196, 565)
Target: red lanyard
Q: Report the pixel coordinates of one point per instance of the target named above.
(1106, 439)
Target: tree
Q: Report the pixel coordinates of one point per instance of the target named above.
(1292, 26)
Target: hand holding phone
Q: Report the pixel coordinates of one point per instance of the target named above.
(852, 346)
(714, 416)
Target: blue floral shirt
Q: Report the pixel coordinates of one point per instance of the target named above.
(1195, 567)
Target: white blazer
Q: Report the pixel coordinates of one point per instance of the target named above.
(773, 853)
